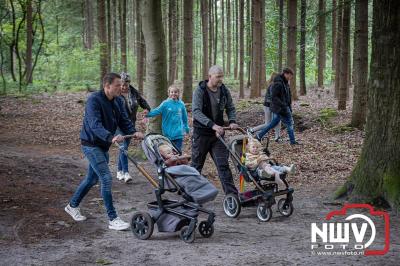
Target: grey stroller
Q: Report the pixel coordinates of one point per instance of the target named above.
(173, 215)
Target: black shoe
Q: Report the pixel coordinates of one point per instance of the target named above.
(279, 140)
(296, 143)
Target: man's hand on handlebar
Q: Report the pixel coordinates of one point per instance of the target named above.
(118, 138)
(218, 130)
(233, 126)
(138, 135)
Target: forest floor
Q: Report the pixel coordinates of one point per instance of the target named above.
(41, 165)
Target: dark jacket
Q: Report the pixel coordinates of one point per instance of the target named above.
(102, 117)
(133, 102)
(202, 113)
(280, 96)
(268, 95)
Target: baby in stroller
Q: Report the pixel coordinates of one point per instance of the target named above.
(171, 157)
(257, 160)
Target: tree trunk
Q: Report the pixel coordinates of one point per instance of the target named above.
(29, 42)
(334, 23)
(13, 42)
(122, 29)
(344, 57)
(204, 24)
(257, 46)
(229, 37)
(360, 64)
(172, 38)
(102, 30)
(109, 28)
(215, 32)
(241, 49)
(140, 49)
(156, 59)
(89, 24)
(248, 40)
(211, 34)
(236, 39)
(262, 50)
(291, 43)
(223, 34)
(321, 43)
(303, 89)
(377, 173)
(115, 32)
(280, 38)
(187, 50)
(338, 47)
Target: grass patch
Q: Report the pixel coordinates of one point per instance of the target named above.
(103, 262)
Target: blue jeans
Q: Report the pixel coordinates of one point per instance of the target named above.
(178, 143)
(122, 158)
(98, 169)
(286, 119)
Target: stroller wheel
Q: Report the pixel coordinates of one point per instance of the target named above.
(232, 205)
(264, 213)
(187, 238)
(206, 229)
(286, 209)
(142, 225)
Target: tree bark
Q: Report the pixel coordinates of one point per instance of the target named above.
(377, 173)
(291, 43)
(29, 42)
(89, 29)
(140, 49)
(344, 57)
(280, 36)
(360, 64)
(338, 47)
(235, 70)
(257, 46)
(109, 29)
(122, 29)
(215, 32)
(241, 49)
(204, 24)
(115, 31)
(303, 90)
(211, 33)
(334, 23)
(223, 34)
(321, 43)
(101, 20)
(156, 59)
(229, 37)
(172, 38)
(248, 40)
(187, 50)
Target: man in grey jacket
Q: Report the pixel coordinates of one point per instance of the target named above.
(210, 99)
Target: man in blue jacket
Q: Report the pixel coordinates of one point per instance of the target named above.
(104, 112)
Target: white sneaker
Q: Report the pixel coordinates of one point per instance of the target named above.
(291, 169)
(120, 175)
(75, 213)
(127, 177)
(118, 224)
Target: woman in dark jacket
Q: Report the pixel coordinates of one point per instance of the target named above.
(132, 100)
(267, 111)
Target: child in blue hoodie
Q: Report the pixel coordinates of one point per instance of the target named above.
(174, 117)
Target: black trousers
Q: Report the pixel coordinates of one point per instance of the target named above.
(204, 144)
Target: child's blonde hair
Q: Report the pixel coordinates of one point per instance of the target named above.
(253, 142)
(173, 86)
(164, 147)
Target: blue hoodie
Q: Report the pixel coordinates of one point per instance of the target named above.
(174, 118)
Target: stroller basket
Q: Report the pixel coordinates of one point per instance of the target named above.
(170, 220)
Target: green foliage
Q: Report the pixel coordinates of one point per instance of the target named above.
(326, 114)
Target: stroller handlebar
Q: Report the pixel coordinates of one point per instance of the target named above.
(240, 129)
